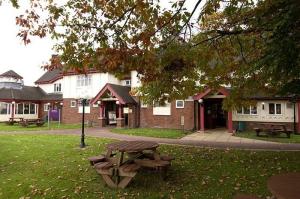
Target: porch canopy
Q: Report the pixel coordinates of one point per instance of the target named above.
(121, 93)
(220, 92)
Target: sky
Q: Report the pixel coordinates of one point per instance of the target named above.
(26, 60)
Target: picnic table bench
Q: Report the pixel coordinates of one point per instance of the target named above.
(27, 122)
(273, 129)
(14, 120)
(118, 169)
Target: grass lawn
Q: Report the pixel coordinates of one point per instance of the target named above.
(282, 138)
(152, 132)
(49, 166)
(53, 126)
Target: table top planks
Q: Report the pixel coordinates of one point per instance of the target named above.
(132, 146)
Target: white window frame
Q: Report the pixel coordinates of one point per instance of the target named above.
(182, 104)
(57, 87)
(46, 107)
(8, 108)
(250, 111)
(128, 82)
(275, 108)
(84, 80)
(73, 103)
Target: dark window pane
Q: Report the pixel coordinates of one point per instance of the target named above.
(3, 108)
(271, 108)
(246, 110)
(20, 108)
(278, 108)
(26, 108)
(32, 108)
(253, 110)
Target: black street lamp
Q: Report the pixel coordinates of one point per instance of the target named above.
(83, 103)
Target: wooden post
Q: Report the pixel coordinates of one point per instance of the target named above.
(202, 117)
(120, 111)
(229, 124)
(101, 111)
(298, 114)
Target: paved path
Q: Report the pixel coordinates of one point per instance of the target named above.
(105, 133)
(221, 135)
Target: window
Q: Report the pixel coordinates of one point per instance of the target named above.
(73, 103)
(57, 87)
(4, 109)
(274, 109)
(84, 80)
(19, 109)
(32, 109)
(26, 108)
(179, 103)
(251, 110)
(46, 107)
(128, 82)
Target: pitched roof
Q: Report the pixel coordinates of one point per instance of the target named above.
(50, 76)
(27, 93)
(11, 73)
(120, 92)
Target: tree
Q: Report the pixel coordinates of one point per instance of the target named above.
(247, 44)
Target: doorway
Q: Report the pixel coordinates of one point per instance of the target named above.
(214, 115)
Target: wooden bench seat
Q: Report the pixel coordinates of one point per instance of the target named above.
(95, 159)
(152, 163)
(273, 131)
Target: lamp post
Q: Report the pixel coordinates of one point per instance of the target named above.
(83, 103)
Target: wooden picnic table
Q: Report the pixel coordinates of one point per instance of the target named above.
(285, 186)
(14, 120)
(27, 122)
(273, 129)
(123, 159)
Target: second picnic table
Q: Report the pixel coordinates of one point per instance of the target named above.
(123, 159)
(273, 129)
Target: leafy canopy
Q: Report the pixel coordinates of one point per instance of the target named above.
(250, 45)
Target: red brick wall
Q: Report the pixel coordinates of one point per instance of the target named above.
(147, 119)
(70, 114)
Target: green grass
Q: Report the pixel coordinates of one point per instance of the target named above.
(281, 138)
(50, 166)
(151, 132)
(53, 126)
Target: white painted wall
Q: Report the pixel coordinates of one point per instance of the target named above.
(70, 89)
(49, 88)
(264, 116)
(135, 81)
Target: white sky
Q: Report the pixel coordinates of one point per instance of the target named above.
(26, 60)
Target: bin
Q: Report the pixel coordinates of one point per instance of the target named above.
(241, 126)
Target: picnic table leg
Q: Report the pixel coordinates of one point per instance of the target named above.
(120, 161)
(109, 181)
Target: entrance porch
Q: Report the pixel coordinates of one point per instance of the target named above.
(116, 106)
(210, 112)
